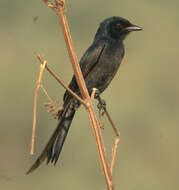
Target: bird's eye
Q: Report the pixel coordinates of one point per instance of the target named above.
(118, 24)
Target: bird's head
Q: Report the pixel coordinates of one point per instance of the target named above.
(117, 28)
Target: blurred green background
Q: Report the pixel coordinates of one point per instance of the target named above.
(142, 99)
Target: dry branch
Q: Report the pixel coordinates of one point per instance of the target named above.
(82, 86)
(108, 116)
(114, 151)
(42, 67)
(45, 92)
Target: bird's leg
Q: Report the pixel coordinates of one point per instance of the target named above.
(101, 105)
(94, 94)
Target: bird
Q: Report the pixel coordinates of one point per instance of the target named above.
(99, 65)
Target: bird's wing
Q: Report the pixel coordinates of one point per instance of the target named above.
(91, 57)
(87, 63)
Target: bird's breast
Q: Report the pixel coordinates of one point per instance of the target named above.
(106, 68)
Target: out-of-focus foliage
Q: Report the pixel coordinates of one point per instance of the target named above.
(143, 99)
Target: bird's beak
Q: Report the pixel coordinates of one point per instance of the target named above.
(133, 28)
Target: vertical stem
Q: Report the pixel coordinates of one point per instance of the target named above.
(81, 83)
(70, 48)
(42, 67)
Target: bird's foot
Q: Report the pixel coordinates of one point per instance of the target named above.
(101, 105)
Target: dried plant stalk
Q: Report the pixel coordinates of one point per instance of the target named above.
(114, 151)
(46, 94)
(112, 124)
(108, 116)
(93, 93)
(42, 67)
(84, 92)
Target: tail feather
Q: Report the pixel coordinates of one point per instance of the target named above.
(49, 153)
(57, 147)
(54, 146)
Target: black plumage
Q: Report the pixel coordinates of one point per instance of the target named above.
(99, 65)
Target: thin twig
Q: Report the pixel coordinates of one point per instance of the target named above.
(45, 92)
(59, 80)
(70, 48)
(93, 93)
(109, 118)
(42, 67)
(114, 151)
(112, 124)
(51, 104)
(57, 110)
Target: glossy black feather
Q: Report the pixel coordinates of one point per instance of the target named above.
(99, 65)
